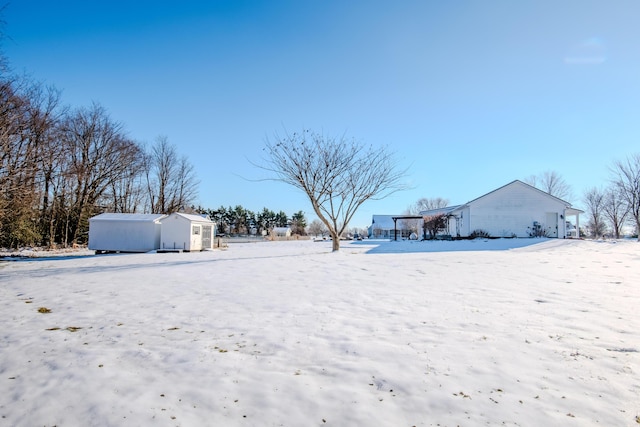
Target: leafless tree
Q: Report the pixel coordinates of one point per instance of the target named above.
(336, 173)
(551, 182)
(431, 224)
(170, 180)
(99, 154)
(126, 195)
(627, 180)
(615, 209)
(44, 115)
(427, 204)
(594, 200)
(317, 228)
(19, 152)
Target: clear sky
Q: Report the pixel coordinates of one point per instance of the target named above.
(470, 95)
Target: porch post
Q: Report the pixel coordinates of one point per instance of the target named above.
(395, 229)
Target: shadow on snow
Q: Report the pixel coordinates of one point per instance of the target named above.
(413, 246)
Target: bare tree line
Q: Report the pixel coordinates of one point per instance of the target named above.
(59, 166)
(611, 207)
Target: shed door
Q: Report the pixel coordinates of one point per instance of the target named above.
(552, 224)
(206, 236)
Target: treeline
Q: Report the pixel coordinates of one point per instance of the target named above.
(238, 220)
(60, 165)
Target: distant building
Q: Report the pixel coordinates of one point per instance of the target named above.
(281, 231)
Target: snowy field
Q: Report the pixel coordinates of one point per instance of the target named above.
(522, 332)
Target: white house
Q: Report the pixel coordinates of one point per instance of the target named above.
(513, 210)
(186, 232)
(122, 232)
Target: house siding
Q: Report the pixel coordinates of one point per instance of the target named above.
(513, 209)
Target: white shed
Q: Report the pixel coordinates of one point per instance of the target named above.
(186, 232)
(123, 232)
(281, 231)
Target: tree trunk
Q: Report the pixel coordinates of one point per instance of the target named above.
(335, 242)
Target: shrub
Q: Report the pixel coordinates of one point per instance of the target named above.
(479, 233)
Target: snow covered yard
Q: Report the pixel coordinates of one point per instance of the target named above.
(290, 334)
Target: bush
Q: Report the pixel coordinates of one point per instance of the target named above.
(479, 234)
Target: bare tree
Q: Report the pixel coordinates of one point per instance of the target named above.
(411, 224)
(627, 180)
(44, 117)
(317, 228)
(551, 182)
(126, 194)
(337, 174)
(427, 204)
(594, 200)
(431, 224)
(170, 180)
(17, 165)
(98, 155)
(615, 210)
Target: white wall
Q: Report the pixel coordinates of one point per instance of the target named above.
(176, 233)
(124, 236)
(512, 210)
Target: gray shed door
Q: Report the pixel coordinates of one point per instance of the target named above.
(206, 236)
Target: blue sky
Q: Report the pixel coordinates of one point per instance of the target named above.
(470, 95)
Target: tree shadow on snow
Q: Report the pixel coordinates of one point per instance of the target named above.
(413, 246)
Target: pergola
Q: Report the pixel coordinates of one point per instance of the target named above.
(395, 223)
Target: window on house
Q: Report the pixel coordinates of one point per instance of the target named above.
(195, 230)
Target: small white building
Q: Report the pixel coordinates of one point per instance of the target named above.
(124, 232)
(281, 231)
(186, 232)
(516, 209)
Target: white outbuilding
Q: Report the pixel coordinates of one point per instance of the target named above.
(186, 232)
(124, 232)
(281, 231)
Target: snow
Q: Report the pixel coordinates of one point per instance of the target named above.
(521, 332)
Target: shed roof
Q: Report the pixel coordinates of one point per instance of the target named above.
(129, 217)
(192, 217)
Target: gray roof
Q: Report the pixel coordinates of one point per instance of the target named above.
(440, 211)
(112, 216)
(192, 217)
(384, 222)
